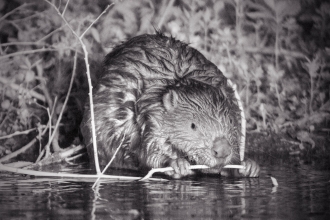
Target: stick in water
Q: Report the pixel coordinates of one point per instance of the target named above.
(194, 167)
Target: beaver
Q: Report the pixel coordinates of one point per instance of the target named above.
(168, 106)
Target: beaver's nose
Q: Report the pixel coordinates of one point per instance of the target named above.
(221, 148)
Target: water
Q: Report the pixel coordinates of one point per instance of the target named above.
(303, 193)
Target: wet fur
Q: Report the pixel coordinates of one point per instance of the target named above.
(151, 91)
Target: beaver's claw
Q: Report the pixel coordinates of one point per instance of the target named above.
(252, 169)
(180, 168)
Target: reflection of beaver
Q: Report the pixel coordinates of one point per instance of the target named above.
(168, 104)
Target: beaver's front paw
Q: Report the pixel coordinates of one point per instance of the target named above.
(181, 168)
(252, 169)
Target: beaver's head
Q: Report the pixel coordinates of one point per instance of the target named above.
(201, 123)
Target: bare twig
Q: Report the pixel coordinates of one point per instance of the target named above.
(58, 156)
(113, 157)
(193, 167)
(23, 44)
(23, 149)
(270, 51)
(87, 29)
(19, 164)
(51, 33)
(19, 151)
(70, 175)
(13, 11)
(161, 21)
(65, 101)
(50, 103)
(18, 133)
(97, 167)
(243, 122)
(26, 52)
(17, 87)
(66, 6)
(46, 148)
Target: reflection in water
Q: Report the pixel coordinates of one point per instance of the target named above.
(302, 194)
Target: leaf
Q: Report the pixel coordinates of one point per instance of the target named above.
(286, 8)
(301, 146)
(5, 104)
(195, 22)
(326, 105)
(280, 120)
(260, 15)
(271, 4)
(207, 15)
(312, 66)
(259, 72)
(186, 13)
(259, 7)
(24, 115)
(263, 112)
(280, 9)
(274, 181)
(26, 64)
(29, 76)
(95, 34)
(304, 136)
(218, 6)
(275, 76)
(294, 7)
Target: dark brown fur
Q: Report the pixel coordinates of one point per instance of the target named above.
(166, 101)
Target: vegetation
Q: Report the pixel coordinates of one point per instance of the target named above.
(276, 51)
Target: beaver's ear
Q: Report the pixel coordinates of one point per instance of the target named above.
(170, 100)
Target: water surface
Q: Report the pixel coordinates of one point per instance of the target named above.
(303, 193)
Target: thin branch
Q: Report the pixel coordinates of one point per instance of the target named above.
(243, 121)
(47, 147)
(50, 126)
(193, 167)
(113, 157)
(69, 91)
(23, 149)
(51, 33)
(23, 44)
(161, 21)
(19, 151)
(19, 133)
(270, 51)
(71, 175)
(87, 29)
(65, 102)
(17, 87)
(26, 52)
(64, 10)
(66, 22)
(14, 10)
(97, 167)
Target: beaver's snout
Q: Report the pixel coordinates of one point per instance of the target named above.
(221, 148)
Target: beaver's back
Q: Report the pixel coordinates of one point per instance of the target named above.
(157, 59)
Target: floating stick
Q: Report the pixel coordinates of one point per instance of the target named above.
(194, 167)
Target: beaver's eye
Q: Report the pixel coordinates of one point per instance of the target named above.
(193, 126)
